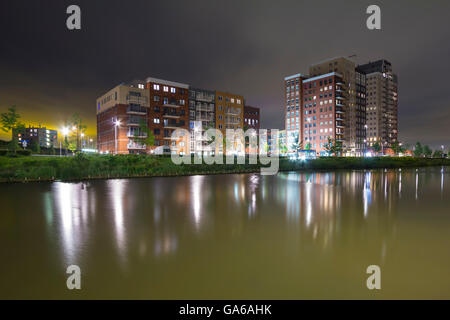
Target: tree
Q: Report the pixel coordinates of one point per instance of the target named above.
(333, 147)
(397, 148)
(144, 135)
(427, 151)
(35, 147)
(376, 147)
(10, 122)
(418, 150)
(438, 154)
(79, 128)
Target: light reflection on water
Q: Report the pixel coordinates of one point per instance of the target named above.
(169, 235)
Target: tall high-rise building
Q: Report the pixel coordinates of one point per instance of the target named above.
(315, 111)
(355, 113)
(382, 102)
(293, 93)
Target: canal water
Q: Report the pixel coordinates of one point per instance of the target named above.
(244, 236)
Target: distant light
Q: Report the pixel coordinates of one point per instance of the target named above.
(117, 123)
(65, 131)
(368, 154)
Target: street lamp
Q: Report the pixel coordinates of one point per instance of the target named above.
(116, 125)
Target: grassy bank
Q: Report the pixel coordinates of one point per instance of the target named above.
(125, 166)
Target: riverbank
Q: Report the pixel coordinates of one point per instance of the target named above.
(85, 167)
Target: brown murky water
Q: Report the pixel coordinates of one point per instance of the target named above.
(290, 236)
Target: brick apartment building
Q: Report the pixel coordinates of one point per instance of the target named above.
(363, 102)
(252, 117)
(163, 106)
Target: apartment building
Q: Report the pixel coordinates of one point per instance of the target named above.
(229, 111)
(163, 106)
(45, 138)
(354, 93)
(293, 90)
(324, 111)
(382, 102)
(202, 116)
(169, 110)
(120, 112)
(252, 117)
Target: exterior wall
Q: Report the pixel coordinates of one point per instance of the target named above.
(127, 105)
(46, 138)
(229, 111)
(355, 115)
(382, 103)
(169, 110)
(252, 117)
(202, 116)
(324, 111)
(293, 114)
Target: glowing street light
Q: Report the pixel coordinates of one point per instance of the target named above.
(116, 125)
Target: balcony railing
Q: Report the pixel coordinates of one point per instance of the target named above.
(135, 145)
(137, 100)
(134, 121)
(132, 134)
(172, 125)
(171, 115)
(339, 110)
(136, 110)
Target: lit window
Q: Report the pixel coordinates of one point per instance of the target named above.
(173, 90)
(156, 120)
(166, 89)
(156, 87)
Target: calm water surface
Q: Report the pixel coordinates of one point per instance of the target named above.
(289, 236)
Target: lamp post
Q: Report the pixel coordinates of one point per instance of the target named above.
(116, 125)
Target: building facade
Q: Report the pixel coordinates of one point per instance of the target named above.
(252, 117)
(229, 111)
(202, 116)
(120, 113)
(355, 117)
(127, 112)
(45, 138)
(169, 110)
(324, 111)
(382, 102)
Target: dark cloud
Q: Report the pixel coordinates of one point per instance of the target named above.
(245, 47)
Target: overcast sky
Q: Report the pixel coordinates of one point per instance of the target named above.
(244, 47)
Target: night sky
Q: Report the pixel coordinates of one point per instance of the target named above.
(244, 47)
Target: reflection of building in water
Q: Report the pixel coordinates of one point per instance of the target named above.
(72, 217)
(326, 207)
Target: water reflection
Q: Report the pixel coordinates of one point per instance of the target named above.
(210, 224)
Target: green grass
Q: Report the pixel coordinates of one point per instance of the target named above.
(82, 167)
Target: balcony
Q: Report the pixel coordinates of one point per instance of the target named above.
(137, 100)
(135, 109)
(172, 104)
(339, 110)
(172, 125)
(339, 103)
(134, 121)
(339, 124)
(135, 145)
(132, 134)
(339, 96)
(173, 115)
